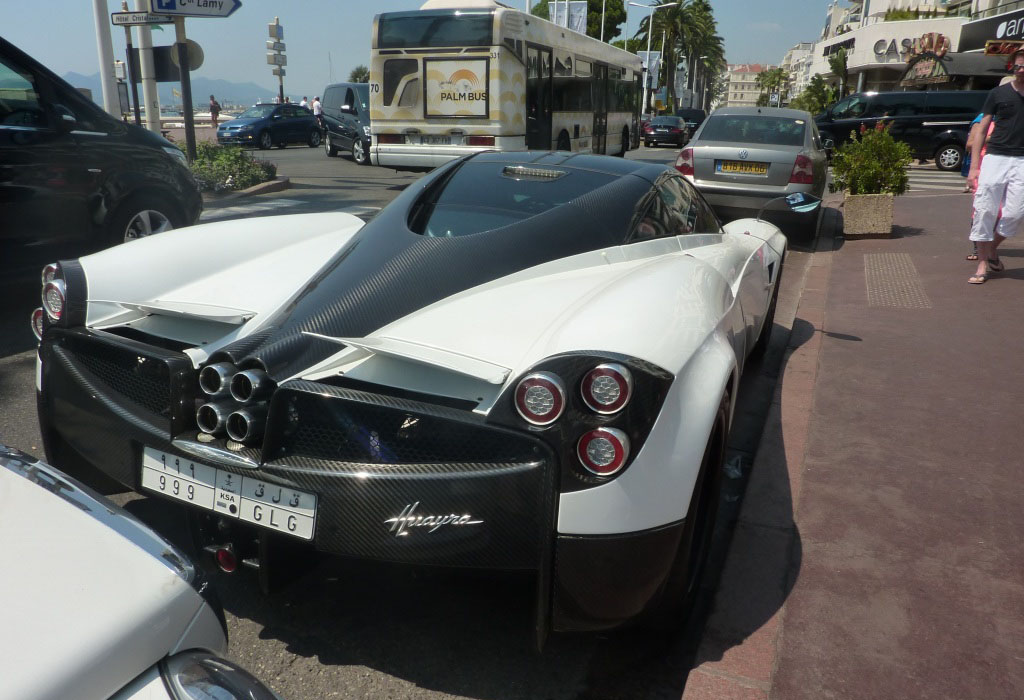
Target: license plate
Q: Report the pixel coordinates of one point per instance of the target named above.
(737, 166)
(251, 500)
(428, 140)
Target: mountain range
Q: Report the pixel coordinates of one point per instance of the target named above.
(227, 92)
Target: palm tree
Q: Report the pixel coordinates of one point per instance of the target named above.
(837, 64)
(771, 81)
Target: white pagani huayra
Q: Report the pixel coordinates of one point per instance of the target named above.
(527, 361)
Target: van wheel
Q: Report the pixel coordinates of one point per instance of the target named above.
(264, 141)
(359, 153)
(140, 216)
(329, 147)
(683, 583)
(564, 144)
(314, 138)
(949, 157)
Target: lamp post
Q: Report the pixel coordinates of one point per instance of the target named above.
(650, 27)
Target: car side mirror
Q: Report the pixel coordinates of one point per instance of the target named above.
(348, 109)
(64, 118)
(277, 116)
(799, 202)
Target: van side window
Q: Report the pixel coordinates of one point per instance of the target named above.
(350, 99)
(850, 108)
(897, 104)
(19, 99)
(955, 102)
(332, 98)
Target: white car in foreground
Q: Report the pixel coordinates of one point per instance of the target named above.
(97, 605)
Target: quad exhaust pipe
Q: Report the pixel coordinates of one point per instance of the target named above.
(212, 417)
(246, 424)
(250, 385)
(215, 379)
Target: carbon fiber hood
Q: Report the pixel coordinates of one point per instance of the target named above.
(388, 271)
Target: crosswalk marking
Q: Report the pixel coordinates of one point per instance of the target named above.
(251, 208)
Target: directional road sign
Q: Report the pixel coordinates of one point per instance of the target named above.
(194, 8)
(130, 19)
(275, 45)
(277, 59)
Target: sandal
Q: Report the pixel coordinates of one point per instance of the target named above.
(972, 256)
(977, 279)
(996, 265)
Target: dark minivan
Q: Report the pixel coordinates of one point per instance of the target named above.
(346, 116)
(934, 124)
(69, 170)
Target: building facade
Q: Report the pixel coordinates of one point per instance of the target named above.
(742, 89)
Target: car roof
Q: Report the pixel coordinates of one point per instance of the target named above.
(765, 111)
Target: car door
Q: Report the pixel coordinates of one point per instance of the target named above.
(46, 177)
(903, 113)
(349, 120)
(331, 114)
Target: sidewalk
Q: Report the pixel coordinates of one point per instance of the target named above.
(879, 552)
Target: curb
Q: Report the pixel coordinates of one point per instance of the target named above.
(278, 184)
(737, 659)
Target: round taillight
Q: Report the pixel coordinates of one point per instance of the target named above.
(540, 398)
(607, 388)
(53, 299)
(49, 272)
(603, 451)
(226, 560)
(37, 324)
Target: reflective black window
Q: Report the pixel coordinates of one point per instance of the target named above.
(896, 104)
(755, 129)
(425, 28)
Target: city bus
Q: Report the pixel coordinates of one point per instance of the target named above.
(459, 76)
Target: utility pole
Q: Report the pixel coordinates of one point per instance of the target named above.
(186, 88)
(147, 71)
(105, 48)
(275, 55)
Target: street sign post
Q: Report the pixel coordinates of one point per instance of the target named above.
(194, 8)
(132, 19)
(275, 55)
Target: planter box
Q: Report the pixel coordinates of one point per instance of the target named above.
(867, 216)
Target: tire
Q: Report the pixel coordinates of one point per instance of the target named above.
(625, 143)
(359, 153)
(314, 137)
(329, 147)
(761, 344)
(140, 216)
(949, 157)
(264, 141)
(564, 144)
(679, 594)
(647, 144)
(283, 144)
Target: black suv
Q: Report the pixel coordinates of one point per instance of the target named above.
(346, 120)
(69, 170)
(934, 124)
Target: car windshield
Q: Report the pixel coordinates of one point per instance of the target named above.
(481, 196)
(665, 121)
(257, 112)
(754, 129)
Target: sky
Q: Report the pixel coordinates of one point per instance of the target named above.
(325, 39)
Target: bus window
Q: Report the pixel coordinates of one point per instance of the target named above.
(394, 71)
(433, 28)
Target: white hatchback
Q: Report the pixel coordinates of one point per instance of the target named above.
(95, 604)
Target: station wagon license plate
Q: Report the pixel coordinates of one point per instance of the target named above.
(742, 167)
(429, 140)
(262, 503)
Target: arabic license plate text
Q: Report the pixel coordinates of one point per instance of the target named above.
(737, 166)
(252, 500)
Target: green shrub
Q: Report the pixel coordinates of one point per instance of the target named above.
(219, 168)
(871, 163)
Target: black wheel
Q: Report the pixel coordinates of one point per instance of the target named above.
(329, 148)
(283, 144)
(314, 137)
(680, 591)
(949, 157)
(647, 144)
(563, 142)
(264, 141)
(360, 154)
(761, 345)
(140, 216)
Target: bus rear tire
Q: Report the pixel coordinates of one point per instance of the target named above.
(625, 142)
(563, 142)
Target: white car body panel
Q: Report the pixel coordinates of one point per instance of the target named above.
(86, 609)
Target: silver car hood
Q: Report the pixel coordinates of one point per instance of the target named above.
(91, 596)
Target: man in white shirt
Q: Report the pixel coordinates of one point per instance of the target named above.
(317, 111)
(305, 102)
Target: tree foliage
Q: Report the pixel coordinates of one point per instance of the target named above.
(359, 74)
(771, 81)
(816, 96)
(614, 17)
(837, 64)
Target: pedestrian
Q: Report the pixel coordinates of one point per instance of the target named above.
(287, 100)
(998, 179)
(214, 111)
(317, 111)
(304, 103)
